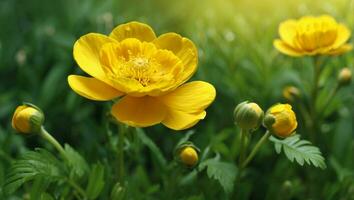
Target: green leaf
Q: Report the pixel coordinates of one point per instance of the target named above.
(32, 165)
(152, 146)
(39, 185)
(223, 172)
(186, 137)
(77, 163)
(96, 181)
(299, 150)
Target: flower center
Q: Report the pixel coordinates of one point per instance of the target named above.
(138, 68)
(132, 65)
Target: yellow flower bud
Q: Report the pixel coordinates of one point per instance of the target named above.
(248, 116)
(189, 156)
(280, 119)
(291, 93)
(27, 119)
(345, 76)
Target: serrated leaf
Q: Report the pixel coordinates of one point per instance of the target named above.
(77, 163)
(299, 150)
(223, 172)
(152, 146)
(96, 181)
(31, 165)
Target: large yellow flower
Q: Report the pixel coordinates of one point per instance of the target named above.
(313, 36)
(148, 72)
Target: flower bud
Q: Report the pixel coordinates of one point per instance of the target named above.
(27, 119)
(291, 93)
(189, 156)
(248, 116)
(280, 120)
(345, 76)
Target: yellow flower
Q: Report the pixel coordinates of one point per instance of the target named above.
(345, 76)
(148, 72)
(280, 119)
(291, 93)
(313, 36)
(189, 156)
(27, 119)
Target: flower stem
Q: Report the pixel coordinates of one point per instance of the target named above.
(330, 98)
(255, 149)
(44, 134)
(314, 94)
(243, 145)
(122, 130)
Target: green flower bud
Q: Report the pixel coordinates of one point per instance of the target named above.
(345, 76)
(27, 119)
(248, 116)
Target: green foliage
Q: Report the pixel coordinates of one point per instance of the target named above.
(40, 165)
(236, 54)
(152, 146)
(96, 181)
(76, 162)
(225, 173)
(299, 150)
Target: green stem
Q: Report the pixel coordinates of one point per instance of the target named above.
(122, 130)
(316, 79)
(44, 134)
(305, 113)
(255, 149)
(330, 98)
(243, 145)
(314, 95)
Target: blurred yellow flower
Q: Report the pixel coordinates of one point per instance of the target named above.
(189, 156)
(291, 93)
(310, 35)
(27, 119)
(345, 76)
(283, 120)
(148, 72)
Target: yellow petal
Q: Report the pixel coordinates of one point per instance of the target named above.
(178, 120)
(137, 30)
(92, 88)
(139, 111)
(183, 48)
(186, 104)
(343, 49)
(285, 49)
(86, 53)
(192, 97)
(343, 34)
(287, 32)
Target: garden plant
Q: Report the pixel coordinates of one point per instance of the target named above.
(186, 100)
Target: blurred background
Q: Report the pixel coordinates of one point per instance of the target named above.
(236, 55)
